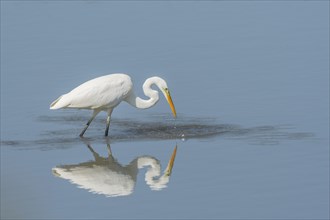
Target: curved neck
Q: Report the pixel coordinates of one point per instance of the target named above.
(148, 91)
(152, 176)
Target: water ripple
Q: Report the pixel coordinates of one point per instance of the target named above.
(157, 127)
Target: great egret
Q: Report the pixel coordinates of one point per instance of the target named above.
(106, 176)
(106, 92)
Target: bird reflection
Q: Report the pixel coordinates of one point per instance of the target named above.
(106, 176)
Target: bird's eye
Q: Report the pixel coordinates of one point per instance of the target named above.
(166, 89)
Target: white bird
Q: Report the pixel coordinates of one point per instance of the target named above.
(106, 92)
(106, 176)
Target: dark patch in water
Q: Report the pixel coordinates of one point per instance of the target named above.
(157, 127)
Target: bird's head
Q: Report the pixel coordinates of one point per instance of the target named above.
(168, 97)
(162, 85)
(166, 92)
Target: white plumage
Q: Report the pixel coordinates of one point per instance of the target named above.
(106, 92)
(108, 177)
(102, 92)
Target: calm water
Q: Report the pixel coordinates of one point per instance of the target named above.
(250, 81)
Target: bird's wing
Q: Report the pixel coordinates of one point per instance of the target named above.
(102, 92)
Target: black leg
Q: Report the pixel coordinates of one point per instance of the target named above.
(108, 125)
(89, 122)
(108, 122)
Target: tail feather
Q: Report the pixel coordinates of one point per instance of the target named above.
(56, 105)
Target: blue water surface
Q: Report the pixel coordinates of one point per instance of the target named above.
(250, 82)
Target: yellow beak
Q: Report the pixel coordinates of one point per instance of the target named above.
(169, 167)
(170, 102)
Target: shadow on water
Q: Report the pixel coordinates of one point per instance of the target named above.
(157, 127)
(106, 176)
